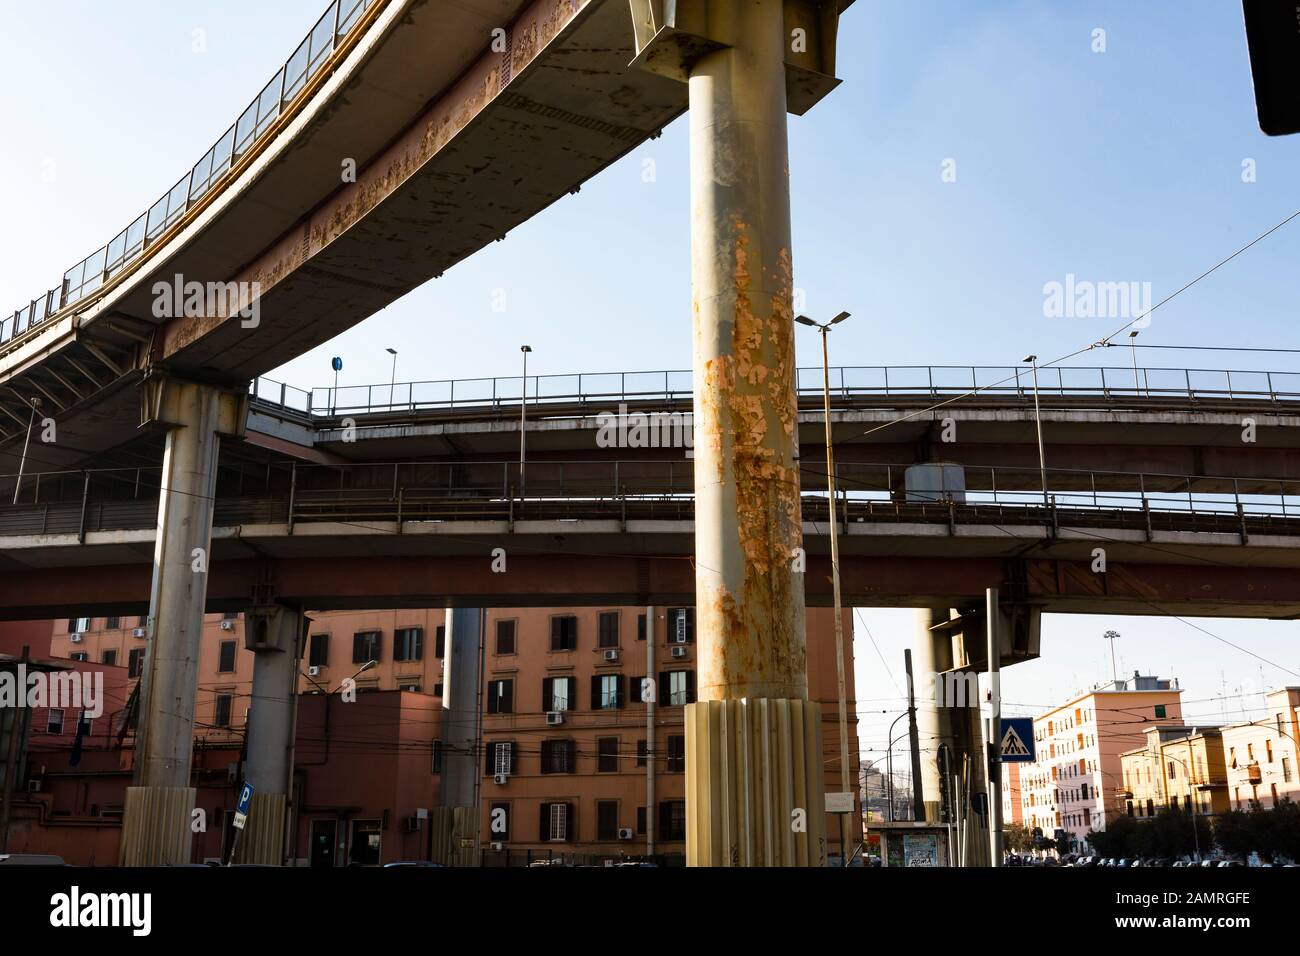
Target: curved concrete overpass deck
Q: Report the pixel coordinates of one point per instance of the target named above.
(455, 144)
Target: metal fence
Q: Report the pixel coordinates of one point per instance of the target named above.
(606, 390)
(364, 494)
(87, 276)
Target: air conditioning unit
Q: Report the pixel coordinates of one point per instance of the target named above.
(77, 637)
(33, 786)
(138, 632)
(611, 655)
(410, 824)
(554, 718)
(227, 625)
(313, 671)
(625, 833)
(500, 779)
(679, 652)
(498, 847)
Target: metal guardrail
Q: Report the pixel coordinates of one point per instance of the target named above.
(105, 263)
(606, 390)
(126, 499)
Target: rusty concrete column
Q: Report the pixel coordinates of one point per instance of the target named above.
(749, 598)
(746, 770)
(157, 814)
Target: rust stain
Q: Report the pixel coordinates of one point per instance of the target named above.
(748, 394)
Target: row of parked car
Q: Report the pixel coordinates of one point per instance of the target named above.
(1124, 862)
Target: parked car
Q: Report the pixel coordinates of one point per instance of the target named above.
(31, 859)
(1229, 863)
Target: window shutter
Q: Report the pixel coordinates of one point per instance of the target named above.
(544, 824)
(665, 820)
(507, 697)
(595, 692)
(620, 691)
(490, 752)
(571, 687)
(634, 690)
(690, 687)
(548, 699)
(690, 625)
(570, 757)
(556, 634)
(661, 690)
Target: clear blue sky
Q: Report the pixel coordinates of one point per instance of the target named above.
(1117, 166)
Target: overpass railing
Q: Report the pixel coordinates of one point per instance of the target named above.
(605, 391)
(363, 494)
(87, 276)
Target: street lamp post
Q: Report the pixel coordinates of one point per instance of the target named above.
(1114, 673)
(523, 419)
(825, 329)
(392, 382)
(1132, 341)
(1038, 424)
(889, 762)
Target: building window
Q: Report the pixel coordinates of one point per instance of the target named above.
(642, 753)
(1160, 711)
(500, 756)
(640, 627)
(222, 718)
(640, 820)
(440, 641)
(80, 656)
(672, 820)
(319, 653)
(226, 658)
(54, 721)
(564, 633)
(499, 822)
(555, 822)
(607, 755)
(558, 693)
(1268, 749)
(606, 819)
(437, 689)
(607, 692)
(505, 637)
(135, 662)
(681, 625)
(437, 757)
(230, 616)
(109, 657)
(413, 686)
(681, 687)
(1286, 769)
(365, 647)
(113, 623)
(408, 644)
(78, 625)
(607, 629)
(557, 756)
(676, 760)
(501, 697)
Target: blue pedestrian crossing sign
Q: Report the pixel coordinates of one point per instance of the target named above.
(1017, 744)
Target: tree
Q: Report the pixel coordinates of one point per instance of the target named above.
(1119, 839)
(1017, 839)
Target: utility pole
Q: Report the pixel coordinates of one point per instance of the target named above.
(918, 788)
(22, 462)
(650, 731)
(523, 421)
(995, 726)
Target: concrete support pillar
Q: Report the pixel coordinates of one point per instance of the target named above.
(274, 635)
(948, 714)
(157, 813)
(749, 599)
(462, 761)
(932, 654)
